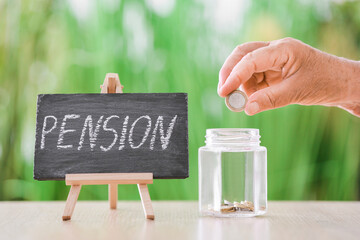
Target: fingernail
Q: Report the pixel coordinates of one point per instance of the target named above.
(219, 91)
(252, 108)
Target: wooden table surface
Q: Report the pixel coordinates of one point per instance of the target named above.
(177, 220)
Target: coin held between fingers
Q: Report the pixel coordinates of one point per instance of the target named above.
(236, 101)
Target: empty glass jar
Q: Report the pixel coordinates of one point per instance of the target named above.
(232, 173)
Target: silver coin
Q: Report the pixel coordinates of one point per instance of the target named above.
(236, 101)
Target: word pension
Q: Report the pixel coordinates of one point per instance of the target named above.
(92, 127)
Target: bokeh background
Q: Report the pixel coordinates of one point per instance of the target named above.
(175, 46)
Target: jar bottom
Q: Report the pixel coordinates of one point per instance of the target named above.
(236, 214)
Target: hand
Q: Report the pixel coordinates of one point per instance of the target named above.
(287, 71)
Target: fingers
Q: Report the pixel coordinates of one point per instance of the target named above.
(237, 54)
(256, 82)
(260, 60)
(269, 98)
(250, 86)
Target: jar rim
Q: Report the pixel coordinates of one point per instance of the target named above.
(243, 136)
(254, 130)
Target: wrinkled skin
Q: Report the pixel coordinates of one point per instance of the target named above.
(287, 71)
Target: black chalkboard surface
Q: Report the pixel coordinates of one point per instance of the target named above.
(111, 133)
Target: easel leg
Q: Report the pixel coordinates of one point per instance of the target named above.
(146, 201)
(113, 195)
(71, 201)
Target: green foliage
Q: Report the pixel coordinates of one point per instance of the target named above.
(57, 47)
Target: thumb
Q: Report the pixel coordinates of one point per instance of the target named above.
(268, 98)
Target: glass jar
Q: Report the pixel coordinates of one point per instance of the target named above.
(232, 173)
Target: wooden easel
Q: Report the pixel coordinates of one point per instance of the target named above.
(111, 85)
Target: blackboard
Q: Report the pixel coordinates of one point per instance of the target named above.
(111, 133)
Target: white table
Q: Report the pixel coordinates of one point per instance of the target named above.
(177, 220)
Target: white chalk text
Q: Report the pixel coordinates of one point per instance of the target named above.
(120, 132)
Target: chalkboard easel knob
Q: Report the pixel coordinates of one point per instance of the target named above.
(111, 84)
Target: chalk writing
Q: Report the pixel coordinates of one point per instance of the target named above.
(88, 129)
(164, 140)
(44, 131)
(146, 131)
(63, 131)
(92, 133)
(123, 133)
(111, 130)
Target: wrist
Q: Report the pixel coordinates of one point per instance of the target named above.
(344, 75)
(353, 81)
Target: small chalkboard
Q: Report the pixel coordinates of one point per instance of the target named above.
(111, 133)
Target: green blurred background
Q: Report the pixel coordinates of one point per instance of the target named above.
(175, 46)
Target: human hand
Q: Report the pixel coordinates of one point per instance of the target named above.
(287, 71)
